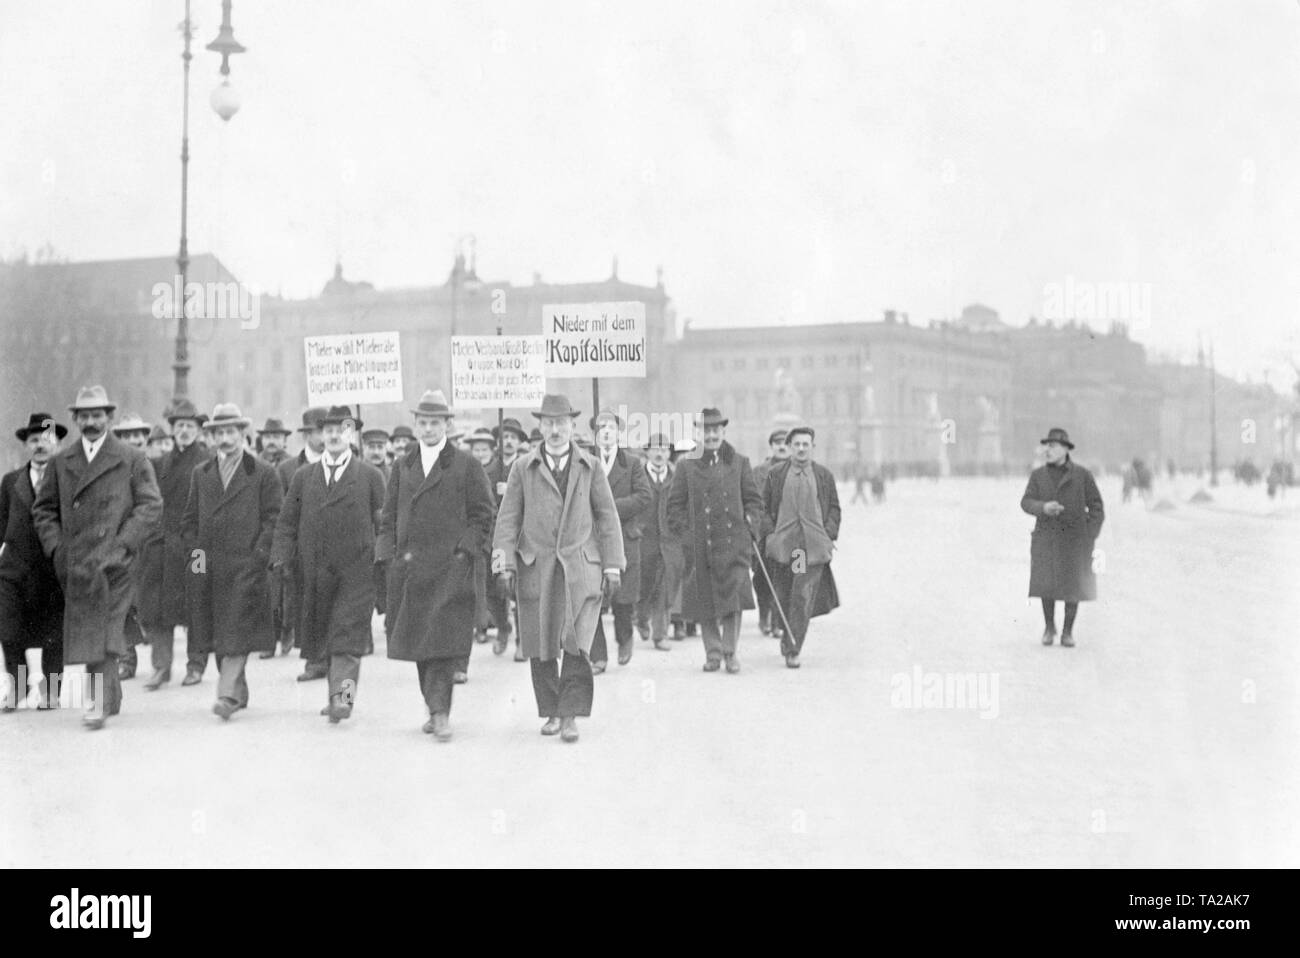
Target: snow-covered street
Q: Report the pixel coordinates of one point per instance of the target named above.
(928, 726)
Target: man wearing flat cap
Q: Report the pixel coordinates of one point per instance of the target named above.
(512, 445)
(1063, 497)
(803, 512)
(289, 586)
(374, 448)
(778, 452)
(133, 431)
(228, 524)
(660, 555)
(95, 508)
(31, 602)
(270, 443)
(329, 521)
(713, 506)
(631, 491)
(436, 521)
(558, 531)
(161, 602)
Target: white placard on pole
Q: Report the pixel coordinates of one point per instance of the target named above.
(355, 368)
(491, 372)
(594, 340)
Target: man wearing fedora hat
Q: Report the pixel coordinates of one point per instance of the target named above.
(329, 523)
(160, 443)
(660, 555)
(227, 527)
(712, 505)
(95, 508)
(270, 443)
(31, 602)
(161, 600)
(631, 491)
(289, 586)
(558, 530)
(437, 517)
(133, 431)
(1063, 497)
(511, 439)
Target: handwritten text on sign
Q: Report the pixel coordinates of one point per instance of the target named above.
(490, 372)
(595, 340)
(361, 368)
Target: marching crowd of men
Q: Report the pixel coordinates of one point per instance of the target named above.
(135, 534)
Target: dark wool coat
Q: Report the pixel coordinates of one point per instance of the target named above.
(230, 602)
(161, 602)
(631, 491)
(828, 499)
(92, 519)
(31, 602)
(332, 531)
(434, 528)
(1060, 552)
(659, 547)
(711, 509)
(559, 546)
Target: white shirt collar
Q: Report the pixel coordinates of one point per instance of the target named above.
(91, 448)
(559, 458)
(35, 472)
(340, 461)
(657, 471)
(312, 456)
(429, 454)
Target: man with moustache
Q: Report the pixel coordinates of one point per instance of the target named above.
(329, 521)
(436, 521)
(289, 586)
(31, 602)
(270, 443)
(510, 438)
(229, 522)
(93, 512)
(161, 602)
(558, 529)
(631, 491)
(482, 446)
(159, 445)
(374, 448)
(133, 431)
(712, 506)
(660, 555)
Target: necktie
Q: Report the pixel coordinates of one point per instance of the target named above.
(334, 473)
(40, 476)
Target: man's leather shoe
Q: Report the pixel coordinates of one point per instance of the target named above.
(124, 672)
(92, 723)
(519, 654)
(266, 655)
(480, 636)
(679, 633)
(625, 654)
(500, 643)
(552, 726)
(712, 665)
(597, 667)
(733, 664)
(310, 674)
(644, 632)
(1067, 640)
(156, 681)
(792, 661)
(427, 727)
(441, 727)
(338, 713)
(569, 729)
(459, 678)
(225, 708)
(1049, 635)
(192, 677)
(661, 645)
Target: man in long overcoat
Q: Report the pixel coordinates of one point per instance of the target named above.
(31, 603)
(1064, 498)
(289, 587)
(228, 525)
(329, 522)
(93, 512)
(631, 491)
(660, 555)
(511, 438)
(778, 452)
(133, 431)
(803, 513)
(161, 604)
(712, 506)
(558, 531)
(437, 517)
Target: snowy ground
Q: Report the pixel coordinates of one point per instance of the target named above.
(1167, 737)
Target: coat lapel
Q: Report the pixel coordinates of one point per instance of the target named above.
(342, 484)
(545, 470)
(23, 487)
(576, 460)
(237, 481)
(107, 457)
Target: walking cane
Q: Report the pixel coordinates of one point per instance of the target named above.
(776, 599)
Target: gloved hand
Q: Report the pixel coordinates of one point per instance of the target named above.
(613, 580)
(506, 585)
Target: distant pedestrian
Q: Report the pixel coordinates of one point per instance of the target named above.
(778, 452)
(270, 443)
(661, 574)
(1063, 496)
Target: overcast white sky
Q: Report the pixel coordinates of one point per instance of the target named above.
(782, 161)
